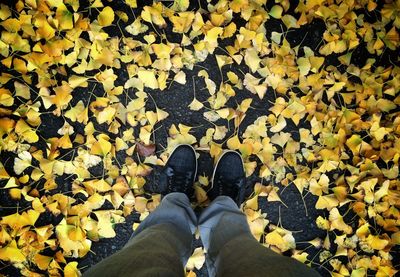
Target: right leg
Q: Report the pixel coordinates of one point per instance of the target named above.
(233, 251)
(231, 248)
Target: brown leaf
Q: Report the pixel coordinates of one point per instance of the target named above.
(145, 150)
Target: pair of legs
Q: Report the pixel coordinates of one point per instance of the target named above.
(162, 243)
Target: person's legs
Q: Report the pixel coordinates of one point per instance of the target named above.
(159, 247)
(162, 243)
(233, 251)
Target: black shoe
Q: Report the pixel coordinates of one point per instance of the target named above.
(180, 171)
(229, 177)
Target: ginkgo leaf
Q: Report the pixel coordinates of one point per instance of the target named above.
(337, 222)
(281, 123)
(22, 90)
(220, 132)
(252, 60)
(276, 11)
(180, 77)
(162, 50)
(161, 115)
(195, 105)
(280, 238)
(180, 5)
(252, 203)
(326, 202)
(64, 17)
(304, 65)
(6, 98)
(122, 15)
(276, 37)
(148, 78)
(78, 113)
(153, 15)
(136, 27)
(196, 260)
(71, 270)
(12, 253)
(145, 150)
(106, 16)
(22, 162)
(77, 81)
(131, 3)
(377, 243)
(42, 261)
(104, 225)
(102, 146)
(5, 12)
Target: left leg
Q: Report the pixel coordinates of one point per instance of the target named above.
(159, 247)
(162, 243)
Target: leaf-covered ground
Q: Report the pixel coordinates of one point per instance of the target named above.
(95, 94)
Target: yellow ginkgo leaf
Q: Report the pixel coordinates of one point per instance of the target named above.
(326, 202)
(65, 18)
(200, 194)
(220, 132)
(6, 98)
(161, 115)
(106, 16)
(145, 134)
(153, 14)
(71, 270)
(22, 90)
(22, 162)
(280, 238)
(180, 5)
(3, 172)
(131, 3)
(42, 261)
(180, 77)
(12, 253)
(78, 113)
(11, 25)
(196, 260)
(337, 222)
(63, 95)
(377, 243)
(276, 11)
(162, 50)
(102, 146)
(195, 105)
(252, 203)
(152, 117)
(148, 78)
(252, 60)
(104, 226)
(281, 123)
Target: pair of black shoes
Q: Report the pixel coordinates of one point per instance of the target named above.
(180, 172)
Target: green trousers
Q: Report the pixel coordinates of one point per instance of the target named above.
(162, 244)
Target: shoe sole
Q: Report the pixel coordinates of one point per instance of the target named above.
(219, 159)
(194, 151)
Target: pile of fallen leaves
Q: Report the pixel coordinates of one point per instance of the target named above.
(331, 130)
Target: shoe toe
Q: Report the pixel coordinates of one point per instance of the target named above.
(231, 165)
(183, 158)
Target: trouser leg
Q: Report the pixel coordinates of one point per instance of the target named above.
(159, 247)
(233, 251)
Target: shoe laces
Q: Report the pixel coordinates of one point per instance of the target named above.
(178, 181)
(228, 187)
